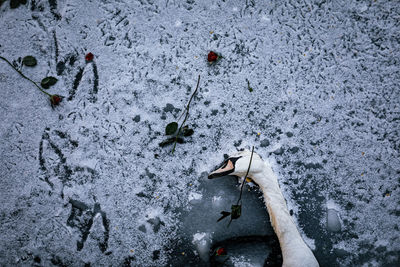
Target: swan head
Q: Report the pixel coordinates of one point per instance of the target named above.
(237, 164)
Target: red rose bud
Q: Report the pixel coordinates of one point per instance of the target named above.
(220, 252)
(89, 57)
(212, 56)
(55, 100)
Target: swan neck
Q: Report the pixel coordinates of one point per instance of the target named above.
(294, 251)
(281, 220)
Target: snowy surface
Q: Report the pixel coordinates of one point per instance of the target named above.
(81, 183)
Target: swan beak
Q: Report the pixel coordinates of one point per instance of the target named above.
(226, 168)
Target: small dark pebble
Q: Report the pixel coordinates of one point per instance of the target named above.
(264, 143)
(169, 108)
(157, 223)
(142, 228)
(37, 259)
(238, 143)
(279, 151)
(136, 118)
(156, 255)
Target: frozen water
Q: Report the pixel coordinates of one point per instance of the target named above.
(200, 220)
(332, 221)
(89, 179)
(202, 216)
(203, 245)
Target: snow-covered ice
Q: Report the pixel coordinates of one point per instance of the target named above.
(87, 183)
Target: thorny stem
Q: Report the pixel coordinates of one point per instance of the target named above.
(245, 177)
(23, 76)
(187, 114)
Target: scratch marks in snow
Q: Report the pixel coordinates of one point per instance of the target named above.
(82, 217)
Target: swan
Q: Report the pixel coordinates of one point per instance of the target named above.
(295, 252)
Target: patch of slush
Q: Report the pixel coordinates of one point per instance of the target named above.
(202, 243)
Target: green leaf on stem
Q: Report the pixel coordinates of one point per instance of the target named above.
(236, 211)
(48, 81)
(224, 215)
(29, 61)
(170, 141)
(248, 86)
(171, 128)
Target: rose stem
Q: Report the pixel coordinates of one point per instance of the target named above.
(23, 76)
(187, 114)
